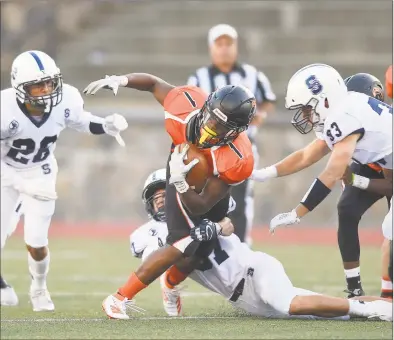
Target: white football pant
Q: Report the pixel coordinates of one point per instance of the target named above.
(37, 213)
(269, 291)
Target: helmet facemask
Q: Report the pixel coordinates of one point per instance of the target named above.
(213, 129)
(306, 118)
(45, 102)
(154, 198)
(378, 92)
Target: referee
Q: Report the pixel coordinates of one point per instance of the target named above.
(226, 70)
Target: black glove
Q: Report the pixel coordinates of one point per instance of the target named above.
(205, 231)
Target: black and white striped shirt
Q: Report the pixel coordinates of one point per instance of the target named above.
(209, 78)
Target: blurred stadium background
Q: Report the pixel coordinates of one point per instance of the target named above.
(100, 182)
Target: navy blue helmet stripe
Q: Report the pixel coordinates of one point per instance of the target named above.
(38, 60)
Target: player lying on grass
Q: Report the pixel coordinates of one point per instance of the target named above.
(34, 111)
(351, 125)
(252, 281)
(154, 233)
(216, 124)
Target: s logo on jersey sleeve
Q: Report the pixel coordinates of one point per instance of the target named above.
(314, 85)
(13, 128)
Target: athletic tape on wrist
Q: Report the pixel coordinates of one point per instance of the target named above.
(181, 186)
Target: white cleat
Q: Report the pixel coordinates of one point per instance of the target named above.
(41, 300)
(380, 309)
(172, 301)
(115, 306)
(8, 296)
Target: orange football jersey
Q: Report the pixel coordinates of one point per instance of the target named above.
(233, 163)
(389, 81)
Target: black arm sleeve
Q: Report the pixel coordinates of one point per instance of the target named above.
(96, 128)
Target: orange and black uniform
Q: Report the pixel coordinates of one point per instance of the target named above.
(233, 163)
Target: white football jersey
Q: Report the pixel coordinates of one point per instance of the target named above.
(368, 116)
(225, 266)
(151, 234)
(26, 142)
(223, 269)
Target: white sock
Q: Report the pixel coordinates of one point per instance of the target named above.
(354, 272)
(358, 308)
(38, 270)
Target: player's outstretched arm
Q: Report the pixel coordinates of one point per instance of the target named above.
(139, 81)
(293, 163)
(321, 187)
(382, 186)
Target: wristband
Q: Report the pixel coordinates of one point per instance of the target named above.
(360, 182)
(315, 195)
(123, 81)
(272, 172)
(181, 186)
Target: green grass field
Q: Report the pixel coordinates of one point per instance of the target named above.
(84, 271)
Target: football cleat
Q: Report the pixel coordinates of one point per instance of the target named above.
(354, 292)
(116, 306)
(172, 301)
(41, 300)
(8, 296)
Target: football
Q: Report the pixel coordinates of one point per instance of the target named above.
(198, 175)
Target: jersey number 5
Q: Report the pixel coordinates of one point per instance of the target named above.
(27, 146)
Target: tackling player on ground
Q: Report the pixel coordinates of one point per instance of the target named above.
(216, 124)
(34, 111)
(251, 281)
(153, 234)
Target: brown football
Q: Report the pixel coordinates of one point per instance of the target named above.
(198, 175)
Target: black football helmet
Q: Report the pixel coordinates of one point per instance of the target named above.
(227, 112)
(365, 83)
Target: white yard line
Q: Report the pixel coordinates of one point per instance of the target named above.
(105, 319)
(104, 294)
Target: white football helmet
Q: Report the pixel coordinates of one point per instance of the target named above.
(34, 67)
(314, 91)
(155, 181)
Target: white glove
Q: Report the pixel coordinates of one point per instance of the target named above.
(179, 170)
(114, 124)
(263, 174)
(108, 83)
(283, 220)
(41, 190)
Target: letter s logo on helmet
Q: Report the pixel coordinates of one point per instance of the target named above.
(314, 85)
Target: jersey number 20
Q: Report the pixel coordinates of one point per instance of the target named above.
(26, 146)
